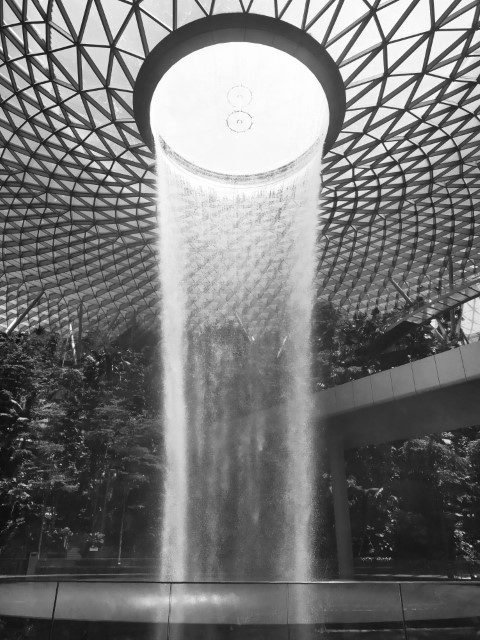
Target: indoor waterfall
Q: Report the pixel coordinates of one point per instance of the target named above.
(237, 266)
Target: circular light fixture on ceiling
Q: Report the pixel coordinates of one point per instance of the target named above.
(239, 121)
(239, 97)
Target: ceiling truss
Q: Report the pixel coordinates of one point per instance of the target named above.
(77, 198)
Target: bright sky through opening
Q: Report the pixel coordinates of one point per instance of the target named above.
(239, 108)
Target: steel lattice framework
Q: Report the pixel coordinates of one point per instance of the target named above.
(401, 184)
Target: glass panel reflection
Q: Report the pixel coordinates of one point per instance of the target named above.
(449, 610)
(83, 630)
(13, 628)
(350, 632)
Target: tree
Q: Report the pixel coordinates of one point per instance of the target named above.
(79, 444)
(413, 500)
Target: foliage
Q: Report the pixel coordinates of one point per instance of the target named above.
(81, 444)
(80, 448)
(346, 348)
(416, 500)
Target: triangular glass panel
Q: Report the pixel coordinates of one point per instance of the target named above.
(59, 40)
(117, 18)
(75, 12)
(263, 7)
(417, 21)
(94, 33)
(464, 21)
(33, 13)
(40, 32)
(322, 21)
(368, 99)
(428, 88)
(9, 17)
(372, 70)
(14, 50)
(100, 57)
(227, 6)
(369, 38)
(414, 62)
(118, 79)
(66, 59)
(98, 117)
(188, 10)
(130, 40)
(154, 32)
(442, 41)
(162, 11)
(348, 15)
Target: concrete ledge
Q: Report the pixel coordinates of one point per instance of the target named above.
(187, 610)
(350, 603)
(122, 602)
(440, 601)
(27, 599)
(229, 604)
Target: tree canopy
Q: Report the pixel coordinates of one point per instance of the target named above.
(81, 445)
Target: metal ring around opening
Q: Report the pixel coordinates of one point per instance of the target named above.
(245, 179)
(239, 27)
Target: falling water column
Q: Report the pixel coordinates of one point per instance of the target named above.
(237, 275)
(173, 324)
(300, 429)
(237, 267)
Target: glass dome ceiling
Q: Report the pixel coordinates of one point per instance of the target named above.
(401, 184)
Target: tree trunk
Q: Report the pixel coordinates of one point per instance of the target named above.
(122, 521)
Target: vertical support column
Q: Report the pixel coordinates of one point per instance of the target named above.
(451, 282)
(343, 531)
(13, 325)
(174, 14)
(399, 290)
(72, 343)
(111, 324)
(80, 331)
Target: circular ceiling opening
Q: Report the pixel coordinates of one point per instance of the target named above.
(239, 109)
(239, 97)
